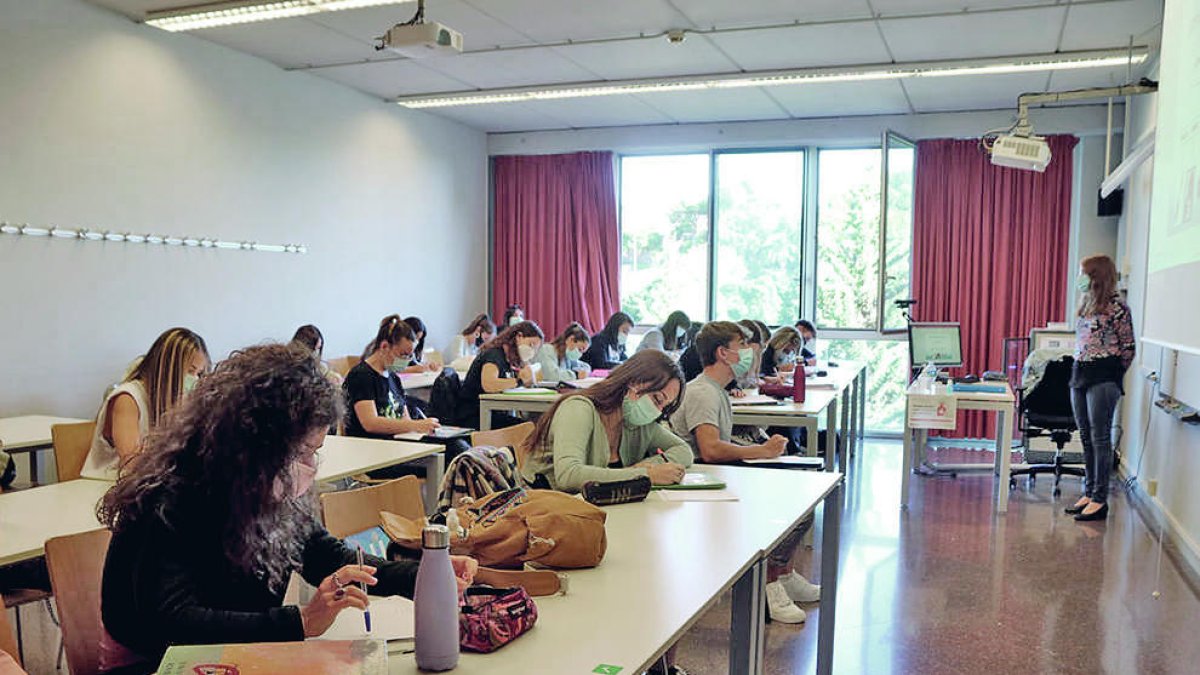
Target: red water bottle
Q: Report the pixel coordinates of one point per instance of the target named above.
(798, 378)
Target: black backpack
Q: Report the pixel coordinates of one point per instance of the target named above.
(443, 397)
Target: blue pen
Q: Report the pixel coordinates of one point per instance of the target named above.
(363, 586)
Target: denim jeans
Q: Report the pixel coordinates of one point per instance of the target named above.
(1094, 409)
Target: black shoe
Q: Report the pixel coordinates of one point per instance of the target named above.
(1099, 514)
(1075, 510)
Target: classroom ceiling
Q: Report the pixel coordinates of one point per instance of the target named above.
(520, 43)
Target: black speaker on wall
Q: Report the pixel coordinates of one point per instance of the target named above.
(1110, 205)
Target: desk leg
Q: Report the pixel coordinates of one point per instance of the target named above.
(863, 393)
(747, 629)
(830, 531)
(843, 437)
(485, 416)
(831, 444)
(435, 467)
(1004, 452)
(34, 478)
(906, 461)
(855, 402)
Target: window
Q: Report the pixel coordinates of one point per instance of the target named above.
(759, 213)
(900, 156)
(887, 376)
(848, 238)
(664, 236)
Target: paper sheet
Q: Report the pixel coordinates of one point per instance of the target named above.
(754, 399)
(694, 496)
(788, 459)
(391, 619)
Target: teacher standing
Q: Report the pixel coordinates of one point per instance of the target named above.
(1104, 348)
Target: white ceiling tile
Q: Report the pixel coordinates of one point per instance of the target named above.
(1033, 31)
(649, 58)
(835, 99)
(983, 92)
(289, 42)
(479, 30)
(1111, 24)
(1065, 80)
(902, 7)
(603, 111)
(389, 79)
(804, 46)
(716, 105)
(556, 20)
(501, 117)
(515, 68)
(724, 13)
(136, 9)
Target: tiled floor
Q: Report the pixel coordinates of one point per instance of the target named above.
(947, 588)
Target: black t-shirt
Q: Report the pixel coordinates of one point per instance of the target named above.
(472, 386)
(690, 363)
(364, 384)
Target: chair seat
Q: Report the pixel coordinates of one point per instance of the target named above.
(1050, 422)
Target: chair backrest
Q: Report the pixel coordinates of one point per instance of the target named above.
(76, 565)
(8, 640)
(512, 437)
(353, 511)
(71, 445)
(342, 364)
(1049, 404)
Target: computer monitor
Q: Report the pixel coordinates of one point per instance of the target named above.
(939, 343)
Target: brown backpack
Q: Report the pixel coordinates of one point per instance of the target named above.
(510, 528)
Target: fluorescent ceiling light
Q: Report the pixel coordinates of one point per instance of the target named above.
(895, 71)
(233, 13)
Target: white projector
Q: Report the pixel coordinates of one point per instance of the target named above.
(1031, 153)
(422, 39)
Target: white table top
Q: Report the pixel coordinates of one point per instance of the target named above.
(345, 456)
(423, 380)
(815, 402)
(990, 397)
(651, 587)
(29, 517)
(30, 431)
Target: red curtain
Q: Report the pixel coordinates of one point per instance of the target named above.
(556, 244)
(990, 249)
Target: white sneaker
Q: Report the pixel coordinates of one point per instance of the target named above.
(780, 607)
(800, 589)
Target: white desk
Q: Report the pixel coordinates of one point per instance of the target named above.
(915, 440)
(30, 434)
(29, 517)
(345, 456)
(666, 565)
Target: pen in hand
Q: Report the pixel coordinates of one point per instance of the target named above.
(363, 586)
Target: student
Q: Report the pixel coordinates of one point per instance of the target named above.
(373, 388)
(418, 364)
(1104, 348)
(756, 340)
(808, 336)
(504, 363)
(208, 528)
(156, 384)
(609, 431)
(781, 354)
(671, 336)
(608, 346)
(466, 344)
(514, 315)
(706, 420)
(310, 337)
(560, 359)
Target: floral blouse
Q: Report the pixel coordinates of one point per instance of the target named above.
(1106, 334)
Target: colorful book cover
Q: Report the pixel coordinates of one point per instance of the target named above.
(347, 657)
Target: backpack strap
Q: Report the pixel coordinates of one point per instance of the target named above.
(535, 582)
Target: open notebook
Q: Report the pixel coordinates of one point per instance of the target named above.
(391, 619)
(347, 657)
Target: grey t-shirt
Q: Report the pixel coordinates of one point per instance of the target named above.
(704, 402)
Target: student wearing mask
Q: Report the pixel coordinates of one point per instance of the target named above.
(466, 344)
(756, 340)
(373, 388)
(609, 431)
(608, 346)
(561, 360)
(310, 337)
(504, 363)
(782, 353)
(418, 364)
(155, 385)
(514, 315)
(808, 337)
(1104, 348)
(210, 526)
(669, 337)
(706, 420)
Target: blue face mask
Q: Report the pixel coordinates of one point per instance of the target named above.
(641, 412)
(189, 383)
(745, 360)
(1083, 283)
(573, 354)
(399, 364)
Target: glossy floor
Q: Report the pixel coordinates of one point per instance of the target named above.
(947, 587)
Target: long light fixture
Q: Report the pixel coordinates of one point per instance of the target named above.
(151, 239)
(775, 78)
(233, 13)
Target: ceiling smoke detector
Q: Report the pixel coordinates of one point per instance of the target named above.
(676, 36)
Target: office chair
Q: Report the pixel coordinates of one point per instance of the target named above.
(1047, 411)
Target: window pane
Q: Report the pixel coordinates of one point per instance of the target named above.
(886, 377)
(760, 204)
(901, 156)
(848, 238)
(664, 236)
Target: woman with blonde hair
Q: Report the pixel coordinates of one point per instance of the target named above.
(154, 385)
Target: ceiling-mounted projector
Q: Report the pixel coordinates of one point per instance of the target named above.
(419, 40)
(1031, 153)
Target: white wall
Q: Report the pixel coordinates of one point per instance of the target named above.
(113, 125)
(1091, 234)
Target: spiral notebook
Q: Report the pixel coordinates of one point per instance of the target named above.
(695, 481)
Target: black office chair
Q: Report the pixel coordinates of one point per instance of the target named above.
(1047, 411)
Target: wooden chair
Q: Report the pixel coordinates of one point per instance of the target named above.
(513, 437)
(352, 511)
(72, 442)
(76, 564)
(342, 364)
(8, 641)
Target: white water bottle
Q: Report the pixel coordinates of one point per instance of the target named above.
(435, 601)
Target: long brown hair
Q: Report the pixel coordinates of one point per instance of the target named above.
(506, 341)
(573, 331)
(1102, 272)
(212, 467)
(391, 330)
(162, 369)
(481, 321)
(649, 370)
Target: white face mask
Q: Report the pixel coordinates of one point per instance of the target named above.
(526, 352)
(514, 320)
(303, 477)
(679, 332)
(622, 338)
